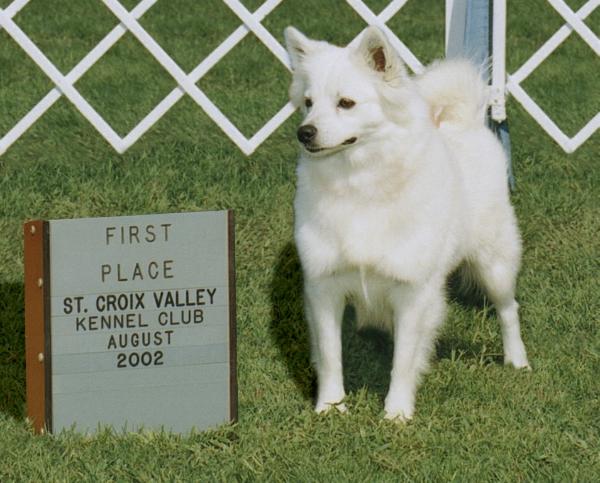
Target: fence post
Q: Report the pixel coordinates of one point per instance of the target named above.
(476, 29)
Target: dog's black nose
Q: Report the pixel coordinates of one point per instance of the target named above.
(307, 133)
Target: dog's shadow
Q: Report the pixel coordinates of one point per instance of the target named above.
(288, 328)
(367, 354)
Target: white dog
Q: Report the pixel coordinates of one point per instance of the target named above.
(399, 183)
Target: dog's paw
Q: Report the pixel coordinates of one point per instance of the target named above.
(330, 396)
(399, 407)
(521, 364)
(398, 416)
(322, 408)
(515, 355)
(518, 360)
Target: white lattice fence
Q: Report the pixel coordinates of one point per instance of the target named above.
(574, 23)
(251, 23)
(186, 83)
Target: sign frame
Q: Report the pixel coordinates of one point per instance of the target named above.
(38, 340)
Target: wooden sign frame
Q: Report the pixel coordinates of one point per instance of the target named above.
(38, 358)
(38, 340)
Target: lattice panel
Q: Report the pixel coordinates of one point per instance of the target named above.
(513, 84)
(186, 82)
(251, 23)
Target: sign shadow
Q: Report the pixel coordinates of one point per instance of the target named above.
(12, 350)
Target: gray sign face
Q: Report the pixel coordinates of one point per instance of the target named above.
(140, 322)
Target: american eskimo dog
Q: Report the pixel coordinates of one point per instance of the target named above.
(399, 183)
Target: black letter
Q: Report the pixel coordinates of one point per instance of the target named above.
(67, 305)
(105, 271)
(166, 226)
(150, 234)
(111, 343)
(79, 323)
(109, 234)
(167, 268)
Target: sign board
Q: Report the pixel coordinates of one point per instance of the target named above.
(130, 322)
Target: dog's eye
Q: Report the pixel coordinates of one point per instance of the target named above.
(346, 103)
(308, 102)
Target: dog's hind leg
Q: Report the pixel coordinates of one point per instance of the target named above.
(324, 304)
(495, 265)
(418, 312)
(498, 278)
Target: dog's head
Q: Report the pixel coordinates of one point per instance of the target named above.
(340, 89)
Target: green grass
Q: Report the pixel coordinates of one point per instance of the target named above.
(475, 420)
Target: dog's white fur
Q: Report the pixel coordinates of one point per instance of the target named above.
(402, 188)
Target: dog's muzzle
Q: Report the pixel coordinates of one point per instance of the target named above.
(307, 134)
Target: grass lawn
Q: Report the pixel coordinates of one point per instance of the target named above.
(475, 419)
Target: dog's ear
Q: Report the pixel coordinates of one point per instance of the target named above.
(298, 45)
(376, 51)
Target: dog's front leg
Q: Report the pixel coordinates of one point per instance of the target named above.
(325, 303)
(418, 312)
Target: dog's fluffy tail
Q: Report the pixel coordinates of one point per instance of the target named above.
(455, 91)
